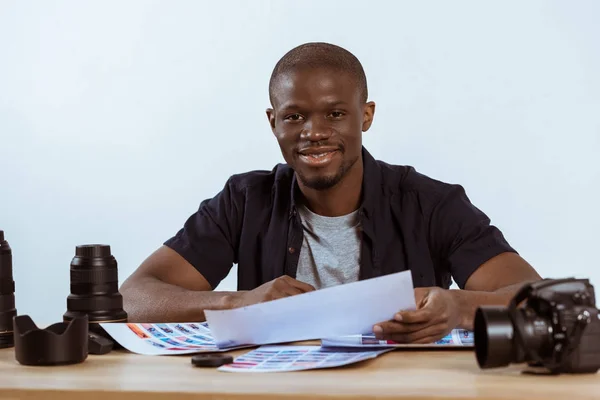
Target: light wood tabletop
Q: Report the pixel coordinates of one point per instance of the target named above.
(401, 374)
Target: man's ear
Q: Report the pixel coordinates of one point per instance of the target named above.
(271, 117)
(368, 114)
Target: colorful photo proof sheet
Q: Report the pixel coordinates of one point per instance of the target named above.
(297, 358)
(456, 338)
(163, 339)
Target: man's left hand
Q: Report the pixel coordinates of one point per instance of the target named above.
(436, 315)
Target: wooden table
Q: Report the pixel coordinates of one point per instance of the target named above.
(401, 374)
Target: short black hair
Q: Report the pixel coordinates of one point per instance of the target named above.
(320, 55)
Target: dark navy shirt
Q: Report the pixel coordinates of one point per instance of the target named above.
(409, 222)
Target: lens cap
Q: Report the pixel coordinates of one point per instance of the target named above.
(211, 360)
(98, 344)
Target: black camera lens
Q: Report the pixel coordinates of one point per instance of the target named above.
(7, 294)
(95, 286)
(493, 340)
(494, 336)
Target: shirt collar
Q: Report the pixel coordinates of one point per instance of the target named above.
(370, 187)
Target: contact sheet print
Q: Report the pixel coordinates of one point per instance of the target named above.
(297, 358)
(192, 337)
(164, 339)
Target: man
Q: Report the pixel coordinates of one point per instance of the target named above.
(331, 215)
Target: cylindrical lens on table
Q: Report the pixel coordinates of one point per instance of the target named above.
(7, 294)
(95, 285)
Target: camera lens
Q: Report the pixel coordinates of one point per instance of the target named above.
(7, 294)
(495, 343)
(493, 333)
(94, 286)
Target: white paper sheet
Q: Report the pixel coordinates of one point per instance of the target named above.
(296, 358)
(347, 309)
(456, 338)
(163, 339)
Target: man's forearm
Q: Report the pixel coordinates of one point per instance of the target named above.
(150, 300)
(468, 301)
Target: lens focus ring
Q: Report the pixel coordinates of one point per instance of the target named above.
(94, 275)
(86, 304)
(7, 302)
(7, 286)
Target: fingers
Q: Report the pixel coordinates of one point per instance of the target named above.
(422, 314)
(291, 291)
(392, 327)
(424, 335)
(304, 287)
(414, 316)
(281, 292)
(286, 286)
(421, 294)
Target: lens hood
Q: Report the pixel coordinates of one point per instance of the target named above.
(59, 344)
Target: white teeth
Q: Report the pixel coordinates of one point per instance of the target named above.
(317, 156)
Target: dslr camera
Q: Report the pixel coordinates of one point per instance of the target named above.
(557, 330)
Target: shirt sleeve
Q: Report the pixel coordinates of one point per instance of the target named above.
(462, 235)
(209, 239)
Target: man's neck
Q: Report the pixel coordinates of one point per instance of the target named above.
(341, 199)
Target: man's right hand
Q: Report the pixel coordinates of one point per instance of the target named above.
(278, 288)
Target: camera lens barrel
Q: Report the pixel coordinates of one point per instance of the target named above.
(7, 294)
(493, 333)
(94, 285)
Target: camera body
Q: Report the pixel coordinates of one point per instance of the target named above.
(557, 328)
(575, 324)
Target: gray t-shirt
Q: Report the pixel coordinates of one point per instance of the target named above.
(330, 253)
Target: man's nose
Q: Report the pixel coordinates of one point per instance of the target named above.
(316, 130)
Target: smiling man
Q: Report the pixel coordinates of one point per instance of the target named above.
(329, 216)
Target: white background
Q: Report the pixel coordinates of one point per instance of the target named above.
(118, 117)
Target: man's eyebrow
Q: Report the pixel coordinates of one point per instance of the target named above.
(336, 103)
(328, 104)
(289, 106)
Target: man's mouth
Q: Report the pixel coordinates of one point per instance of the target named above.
(318, 157)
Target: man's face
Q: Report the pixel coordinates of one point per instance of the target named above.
(318, 117)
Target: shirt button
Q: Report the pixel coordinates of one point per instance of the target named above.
(292, 250)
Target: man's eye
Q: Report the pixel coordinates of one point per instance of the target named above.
(294, 117)
(336, 114)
